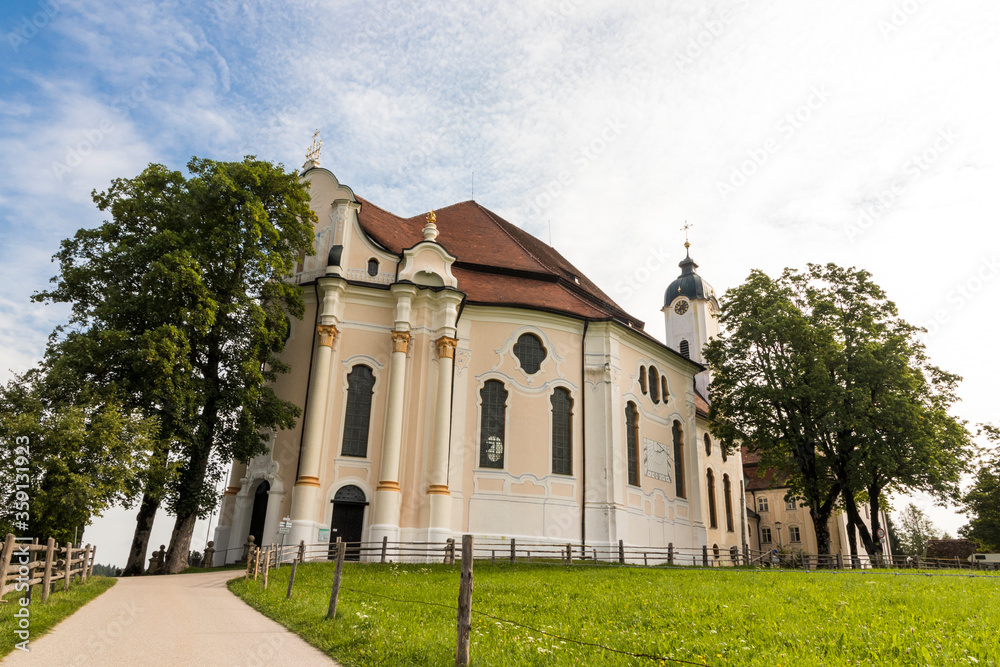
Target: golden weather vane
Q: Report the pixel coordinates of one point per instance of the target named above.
(314, 150)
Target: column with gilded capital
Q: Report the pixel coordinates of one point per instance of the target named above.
(388, 495)
(440, 498)
(305, 497)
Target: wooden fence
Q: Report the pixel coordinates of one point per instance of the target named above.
(524, 551)
(24, 566)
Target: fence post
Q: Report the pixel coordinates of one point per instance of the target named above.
(291, 579)
(8, 552)
(385, 544)
(69, 565)
(805, 562)
(47, 575)
(93, 559)
(267, 564)
(302, 550)
(746, 555)
(249, 564)
(332, 611)
(917, 560)
(840, 561)
(569, 554)
(464, 604)
(449, 551)
(595, 555)
(493, 557)
(621, 552)
(670, 553)
(86, 560)
(704, 555)
(513, 551)
(645, 559)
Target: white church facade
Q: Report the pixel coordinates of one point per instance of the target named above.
(457, 375)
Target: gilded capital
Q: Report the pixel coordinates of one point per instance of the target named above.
(327, 334)
(446, 347)
(400, 341)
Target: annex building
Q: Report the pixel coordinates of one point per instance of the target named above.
(460, 376)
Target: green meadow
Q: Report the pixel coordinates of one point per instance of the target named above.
(391, 615)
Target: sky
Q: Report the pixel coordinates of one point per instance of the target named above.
(862, 132)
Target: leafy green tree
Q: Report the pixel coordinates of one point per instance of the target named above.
(771, 390)
(181, 302)
(816, 371)
(74, 456)
(913, 531)
(892, 431)
(982, 501)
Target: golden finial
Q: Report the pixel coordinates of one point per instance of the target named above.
(314, 150)
(430, 229)
(685, 229)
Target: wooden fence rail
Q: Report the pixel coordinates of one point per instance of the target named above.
(23, 565)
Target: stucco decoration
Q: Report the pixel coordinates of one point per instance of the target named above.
(506, 352)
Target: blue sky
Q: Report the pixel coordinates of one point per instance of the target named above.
(860, 132)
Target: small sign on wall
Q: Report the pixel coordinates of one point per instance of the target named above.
(656, 459)
(324, 535)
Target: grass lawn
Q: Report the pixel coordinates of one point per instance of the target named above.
(45, 616)
(715, 617)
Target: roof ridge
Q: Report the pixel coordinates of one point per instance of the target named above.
(490, 215)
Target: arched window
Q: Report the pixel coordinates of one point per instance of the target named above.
(358, 412)
(685, 349)
(727, 489)
(632, 442)
(493, 425)
(713, 521)
(642, 379)
(715, 551)
(654, 384)
(529, 351)
(562, 432)
(708, 445)
(373, 267)
(679, 460)
(664, 394)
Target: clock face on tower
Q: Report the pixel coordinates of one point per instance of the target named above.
(681, 307)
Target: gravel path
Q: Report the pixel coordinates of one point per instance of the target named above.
(186, 619)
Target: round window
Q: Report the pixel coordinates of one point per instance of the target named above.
(494, 448)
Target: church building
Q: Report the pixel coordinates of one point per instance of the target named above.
(457, 375)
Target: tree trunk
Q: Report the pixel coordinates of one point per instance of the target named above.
(140, 539)
(854, 517)
(821, 524)
(852, 540)
(873, 494)
(190, 491)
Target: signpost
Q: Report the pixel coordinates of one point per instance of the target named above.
(284, 528)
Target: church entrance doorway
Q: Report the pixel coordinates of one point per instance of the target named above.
(348, 521)
(259, 512)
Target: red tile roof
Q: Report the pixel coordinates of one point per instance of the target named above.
(758, 480)
(497, 262)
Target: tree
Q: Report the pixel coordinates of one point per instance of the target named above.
(817, 372)
(892, 428)
(771, 390)
(75, 456)
(181, 303)
(982, 501)
(914, 531)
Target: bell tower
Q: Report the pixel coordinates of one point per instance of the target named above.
(690, 308)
